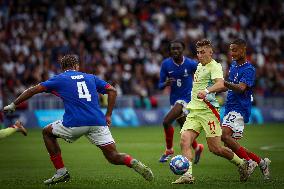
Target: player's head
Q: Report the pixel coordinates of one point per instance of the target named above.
(69, 62)
(238, 49)
(176, 49)
(204, 51)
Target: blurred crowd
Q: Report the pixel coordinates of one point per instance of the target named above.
(125, 41)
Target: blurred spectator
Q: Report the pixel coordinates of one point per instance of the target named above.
(124, 41)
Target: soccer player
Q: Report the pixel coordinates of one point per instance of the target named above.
(177, 72)
(17, 127)
(204, 114)
(238, 105)
(79, 92)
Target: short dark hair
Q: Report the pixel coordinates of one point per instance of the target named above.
(69, 61)
(239, 42)
(177, 41)
(203, 42)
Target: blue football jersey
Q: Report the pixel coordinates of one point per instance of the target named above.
(241, 102)
(79, 92)
(183, 75)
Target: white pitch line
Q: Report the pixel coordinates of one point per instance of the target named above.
(278, 148)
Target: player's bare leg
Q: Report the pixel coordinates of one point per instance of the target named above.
(214, 145)
(237, 148)
(174, 114)
(187, 137)
(52, 146)
(116, 158)
(198, 148)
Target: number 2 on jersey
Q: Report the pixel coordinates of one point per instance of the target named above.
(83, 90)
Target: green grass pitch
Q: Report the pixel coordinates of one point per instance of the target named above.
(24, 162)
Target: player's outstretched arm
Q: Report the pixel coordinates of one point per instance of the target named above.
(216, 88)
(239, 88)
(24, 96)
(111, 91)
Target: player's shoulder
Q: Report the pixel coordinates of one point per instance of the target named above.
(234, 64)
(249, 66)
(190, 60)
(215, 64)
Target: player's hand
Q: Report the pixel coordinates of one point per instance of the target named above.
(108, 120)
(201, 94)
(169, 81)
(10, 108)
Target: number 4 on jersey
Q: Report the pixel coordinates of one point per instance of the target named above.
(83, 90)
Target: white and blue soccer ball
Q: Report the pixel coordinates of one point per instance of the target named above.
(179, 164)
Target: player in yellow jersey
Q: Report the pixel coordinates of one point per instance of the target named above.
(204, 113)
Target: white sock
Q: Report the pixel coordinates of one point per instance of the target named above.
(262, 164)
(61, 171)
(189, 171)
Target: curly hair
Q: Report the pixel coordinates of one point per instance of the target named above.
(239, 42)
(69, 61)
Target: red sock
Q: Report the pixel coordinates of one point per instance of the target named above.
(169, 135)
(241, 152)
(194, 144)
(254, 157)
(127, 160)
(57, 161)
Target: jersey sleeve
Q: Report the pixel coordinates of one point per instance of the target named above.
(217, 72)
(101, 85)
(248, 77)
(231, 76)
(51, 84)
(194, 65)
(163, 76)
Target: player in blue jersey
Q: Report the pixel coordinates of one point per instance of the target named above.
(177, 72)
(79, 92)
(238, 106)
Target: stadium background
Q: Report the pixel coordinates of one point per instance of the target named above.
(124, 43)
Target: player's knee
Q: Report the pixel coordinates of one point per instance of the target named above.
(45, 131)
(184, 142)
(112, 157)
(166, 123)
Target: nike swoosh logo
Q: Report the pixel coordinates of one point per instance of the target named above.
(171, 72)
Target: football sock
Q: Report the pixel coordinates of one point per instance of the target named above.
(241, 152)
(254, 157)
(189, 171)
(61, 171)
(169, 135)
(7, 132)
(128, 160)
(195, 145)
(262, 164)
(57, 161)
(236, 160)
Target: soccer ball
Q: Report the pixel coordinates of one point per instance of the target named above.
(179, 164)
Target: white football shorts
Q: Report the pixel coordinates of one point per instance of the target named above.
(98, 135)
(235, 122)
